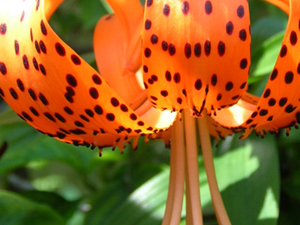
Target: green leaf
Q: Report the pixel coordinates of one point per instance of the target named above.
(62, 206)
(9, 117)
(16, 210)
(254, 199)
(247, 177)
(264, 57)
(144, 206)
(91, 11)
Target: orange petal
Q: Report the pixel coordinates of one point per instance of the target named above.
(117, 46)
(234, 116)
(129, 14)
(216, 130)
(196, 54)
(52, 88)
(279, 105)
(110, 47)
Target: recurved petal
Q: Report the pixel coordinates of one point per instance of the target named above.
(51, 87)
(196, 54)
(128, 13)
(114, 63)
(279, 105)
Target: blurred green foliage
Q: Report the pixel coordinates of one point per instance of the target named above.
(44, 181)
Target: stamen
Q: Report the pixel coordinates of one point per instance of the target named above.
(176, 183)
(193, 205)
(219, 207)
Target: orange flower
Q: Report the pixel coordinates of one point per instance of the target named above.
(173, 56)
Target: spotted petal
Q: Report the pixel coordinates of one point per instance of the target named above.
(279, 105)
(52, 88)
(196, 54)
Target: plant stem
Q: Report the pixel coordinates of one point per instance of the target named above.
(176, 183)
(218, 204)
(193, 205)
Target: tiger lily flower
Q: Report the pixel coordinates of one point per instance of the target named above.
(160, 64)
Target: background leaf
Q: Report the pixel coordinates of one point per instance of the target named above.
(28, 212)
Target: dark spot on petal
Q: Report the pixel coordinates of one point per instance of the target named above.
(60, 117)
(60, 49)
(97, 80)
(267, 93)
(282, 102)
(154, 39)
(43, 47)
(243, 35)
(289, 77)
(25, 62)
(187, 50)
(293, 38)
(148, 24)
(115, 102)
(110, 116)
(71, 80)
(263, 112)
(43, 28)
(124, 108)
(75, 59)
(133, 116)
(283, 51)
(272, 102)
(49, 116)
(240, 11)
(221, 48)
(20, 85)
(26, 116)
(68, 110)
(164, 93)
(229, 86)
(197, 50)
(32, 94)
(208, 7)
(98, 109)
(185, 8)
(243, 64)
(147, 52)
(3, 28)
(198, 84)
(43, 99)
(149, 2)
(17, 47)
(214, 80)
(164, 46)
(13, 93)
(274, 74)
(229, 27)
(3, 69)
(207, 48)
(177, 78)
(166, 10)
(34, 112)
(94, 93)
(172, 49)
(42, 69)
